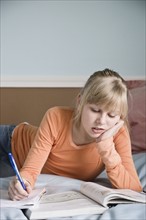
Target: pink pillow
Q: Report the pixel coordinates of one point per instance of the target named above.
(137, 118)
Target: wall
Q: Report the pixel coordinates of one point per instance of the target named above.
(30, 104)
(59, 43)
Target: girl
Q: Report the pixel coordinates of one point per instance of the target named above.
(78, 143)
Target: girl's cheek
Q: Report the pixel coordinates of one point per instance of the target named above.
(115, 121)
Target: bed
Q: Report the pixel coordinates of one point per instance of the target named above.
(137, 114)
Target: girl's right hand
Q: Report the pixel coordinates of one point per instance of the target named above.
(16, 191)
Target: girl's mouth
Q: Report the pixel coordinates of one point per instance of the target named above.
(97, 130)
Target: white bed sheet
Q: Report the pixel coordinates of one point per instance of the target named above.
(58, 184)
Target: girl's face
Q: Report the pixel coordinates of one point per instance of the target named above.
(95, 120)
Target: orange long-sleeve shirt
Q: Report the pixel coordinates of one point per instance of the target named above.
(51, 150)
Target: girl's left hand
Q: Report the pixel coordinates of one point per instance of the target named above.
(110, 132)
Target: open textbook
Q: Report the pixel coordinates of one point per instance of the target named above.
(91, 199)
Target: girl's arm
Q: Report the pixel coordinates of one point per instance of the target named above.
(116, 154)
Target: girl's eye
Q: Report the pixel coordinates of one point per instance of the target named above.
(111, 116)
(95, 110)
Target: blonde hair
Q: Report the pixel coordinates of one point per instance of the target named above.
(107, 89)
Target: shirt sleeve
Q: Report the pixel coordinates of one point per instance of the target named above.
(40, 149)
(117, 157)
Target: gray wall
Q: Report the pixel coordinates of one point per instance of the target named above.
(60, 43)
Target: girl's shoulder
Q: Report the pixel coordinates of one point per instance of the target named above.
(60, 113)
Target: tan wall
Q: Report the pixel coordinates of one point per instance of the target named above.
(30, 104)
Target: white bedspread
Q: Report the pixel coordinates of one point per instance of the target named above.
(58, 184)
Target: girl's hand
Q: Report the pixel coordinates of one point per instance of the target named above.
(16, 191)
(110, 132)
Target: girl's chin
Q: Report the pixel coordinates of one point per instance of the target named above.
(97, 135)
(94, 136)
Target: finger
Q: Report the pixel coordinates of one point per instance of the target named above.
(19, 188)
(118, 125)
(28, 186)
(14, 196)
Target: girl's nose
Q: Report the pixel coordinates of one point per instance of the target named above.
(102, 118)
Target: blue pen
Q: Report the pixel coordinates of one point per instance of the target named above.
(14, 166)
